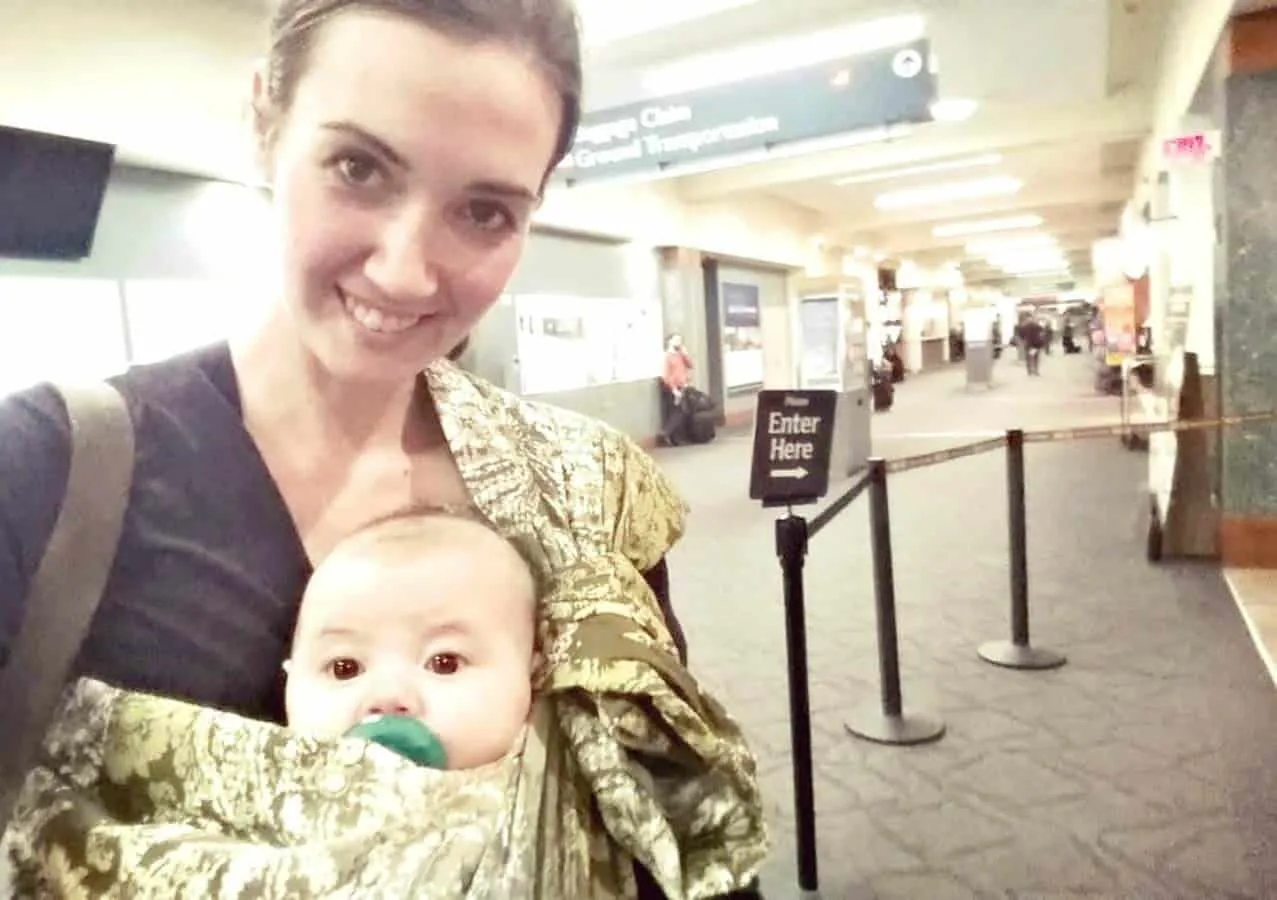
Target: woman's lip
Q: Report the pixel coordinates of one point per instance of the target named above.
(377, 318)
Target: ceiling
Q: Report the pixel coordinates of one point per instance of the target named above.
(1064, 103)
(1062, 90)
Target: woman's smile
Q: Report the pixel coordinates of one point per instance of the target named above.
(378, 319)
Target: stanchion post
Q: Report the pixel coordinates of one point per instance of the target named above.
(888, 724)
(1018, 653)
(791, 547)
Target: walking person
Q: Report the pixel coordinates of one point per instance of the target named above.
(1033, 334)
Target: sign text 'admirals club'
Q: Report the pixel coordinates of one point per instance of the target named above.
(872, 90)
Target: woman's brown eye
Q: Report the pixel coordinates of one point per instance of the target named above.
(490, 216)
(444, 663)
(345, 669)
(357, 169)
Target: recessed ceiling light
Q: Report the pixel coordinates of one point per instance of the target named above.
(986, 226)
(987, 159)
(949, 193)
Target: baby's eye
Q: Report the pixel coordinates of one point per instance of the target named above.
(344, 668)
(444, 663)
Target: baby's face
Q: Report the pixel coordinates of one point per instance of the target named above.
(440, 630)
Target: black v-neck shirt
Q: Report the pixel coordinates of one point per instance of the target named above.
(210, 569)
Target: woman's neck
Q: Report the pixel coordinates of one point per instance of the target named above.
(286, 392)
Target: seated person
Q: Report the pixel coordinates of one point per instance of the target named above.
(418, 632)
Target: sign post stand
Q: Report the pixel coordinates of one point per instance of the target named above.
(791, 547)
(888, 724)
(793, 437)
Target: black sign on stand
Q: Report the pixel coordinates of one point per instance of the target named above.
(793, 435)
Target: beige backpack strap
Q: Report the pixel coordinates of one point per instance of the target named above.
(69, 582)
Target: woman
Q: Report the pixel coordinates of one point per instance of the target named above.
(407, 143)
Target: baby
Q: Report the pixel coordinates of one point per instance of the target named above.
(422, 618)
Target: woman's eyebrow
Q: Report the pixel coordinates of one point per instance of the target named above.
(376, 143)
(505, 189)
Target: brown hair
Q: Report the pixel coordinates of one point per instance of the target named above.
(548, 29)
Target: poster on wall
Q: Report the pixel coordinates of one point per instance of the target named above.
(818, 320)
(566, 343)
(742, 335)
(1120, 327)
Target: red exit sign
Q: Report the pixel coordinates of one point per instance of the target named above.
(1191, 148)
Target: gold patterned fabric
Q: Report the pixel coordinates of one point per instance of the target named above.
(625, 758)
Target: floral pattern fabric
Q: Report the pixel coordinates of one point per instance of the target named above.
(626, 759)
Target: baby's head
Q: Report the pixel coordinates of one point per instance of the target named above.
(426, 615)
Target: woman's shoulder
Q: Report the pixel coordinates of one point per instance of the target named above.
(592, 464)
(205, 373)
(562, 430)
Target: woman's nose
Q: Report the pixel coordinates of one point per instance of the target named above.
(405, 266)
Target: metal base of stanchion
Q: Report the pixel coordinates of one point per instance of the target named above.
(901, 731)
(1010, 655)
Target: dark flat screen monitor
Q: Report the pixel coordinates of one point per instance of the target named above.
(51, 190)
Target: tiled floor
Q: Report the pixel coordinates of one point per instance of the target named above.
(1144, 769)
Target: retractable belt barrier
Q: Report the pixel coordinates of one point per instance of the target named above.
(792, 444)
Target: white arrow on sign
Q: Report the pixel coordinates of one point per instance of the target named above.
(798, 472)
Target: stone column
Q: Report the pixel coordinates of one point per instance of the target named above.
(1245, 84)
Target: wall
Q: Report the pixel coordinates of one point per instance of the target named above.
(580, 267)
(169, 80)
(177, 262)
(652, 213)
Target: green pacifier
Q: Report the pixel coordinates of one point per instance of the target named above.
(410, 738)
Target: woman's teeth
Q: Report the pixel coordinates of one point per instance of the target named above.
(377, 320)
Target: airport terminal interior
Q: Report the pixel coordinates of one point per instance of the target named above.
(1015, 263)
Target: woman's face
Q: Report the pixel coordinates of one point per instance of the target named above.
(405, 174)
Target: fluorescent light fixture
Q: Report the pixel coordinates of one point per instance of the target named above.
(781, 54)
(1038, 265)
(949, 193)
(604, 21)
(1030, 273)
(1031, 263)
(985, 246)
(953, 109)
(968, 162)
(985, 226)
(1033, 254)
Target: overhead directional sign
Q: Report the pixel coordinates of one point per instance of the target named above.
(793, 435)
(893, 86)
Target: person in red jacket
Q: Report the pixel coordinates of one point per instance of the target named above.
(675, 377)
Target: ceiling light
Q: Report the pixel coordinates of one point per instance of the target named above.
(1038, 273)
(953, 109)
(782, 54)
(1033, 255)
(985, 246)
(949, 193)
(986, 226)
(988, 159)
(1034, 265)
